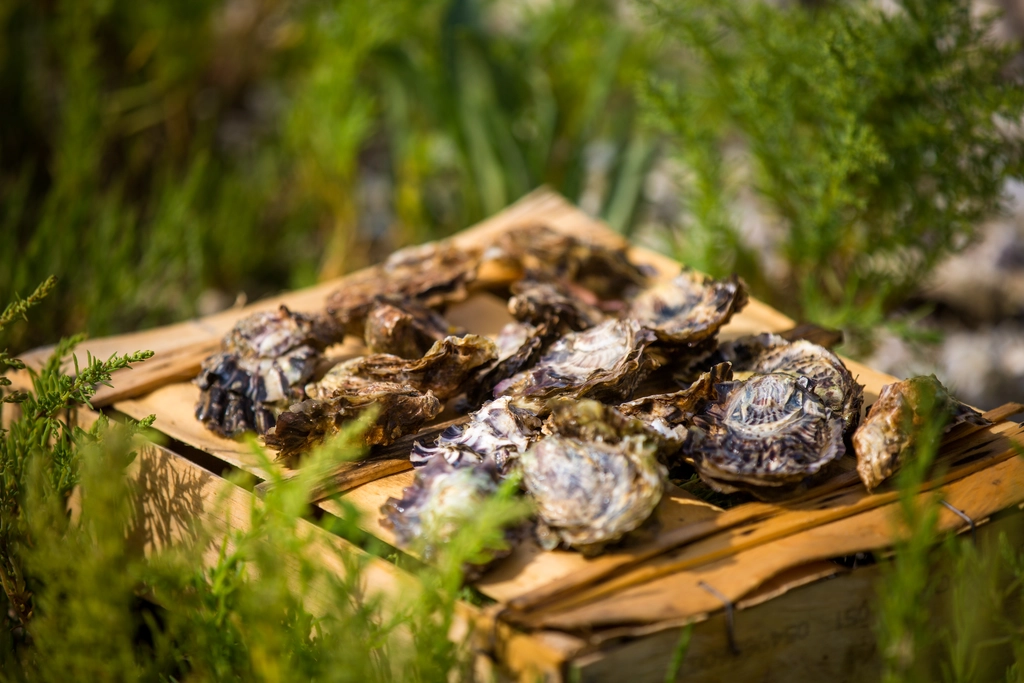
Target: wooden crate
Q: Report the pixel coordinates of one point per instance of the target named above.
(621, 614)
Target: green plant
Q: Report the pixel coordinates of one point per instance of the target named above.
(873, 140)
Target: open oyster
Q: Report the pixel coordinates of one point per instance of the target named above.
(595, 478)
(605, 271)
(498, 433)
(769, 432)
(606, 361)
(441, 501)
(401, 410)
(689, 308)
(833, 383)
(403, 327)
(442, 371)
(889, 432)
(265, 360)
(671, 414)
(433, 274)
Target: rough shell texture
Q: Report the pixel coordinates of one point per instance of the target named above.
(689, 308)
(888, 434)
(497, 433)
(443, 371)
(833, 383)
(401, 410)
(519, 346)
(606, 361)
(266, 358)
(403, 327)
(671, 414)
(769, 431)
(549, 303)
(434, 274)
(442, 499)
(596, 482)
(605, 271)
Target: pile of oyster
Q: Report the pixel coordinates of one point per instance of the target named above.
(608, 382)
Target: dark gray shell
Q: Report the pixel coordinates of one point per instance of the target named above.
(689, 308)
(401, 410)
(549, 303)
(889, 432)
(443, 371)
(766, 432)
(403, 327)
(442, 500)
(264, 361)
(497, 433)
(606, 361)
(833, 383)
(433, 274)
(595, 478)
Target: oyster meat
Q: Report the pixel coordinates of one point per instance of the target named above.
(769, 432)
(689, 308)
(670, 414)
(442, 371)
(889, 432)
(401, 410)
(434, 274)
(605, 271)
(497, 433)
(606, 361)
(833, 383)
(442, 500)
(264, 361)
(403, 327)
(595, 478)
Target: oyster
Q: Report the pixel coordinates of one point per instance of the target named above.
(605, 271)
(670, 414)
(606, 361)
(519, 345)
(769, 432)
(595, 478)
(443, 371)
(442, 500)
(548, 303)
(689, 308)
(266, 358)
(889, 432)
(433, 274)
(401, 410)
(403, 327)
(833, 383)
(498, 433)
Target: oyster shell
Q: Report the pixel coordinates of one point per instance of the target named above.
(606, 361)
(605, 271)
(434, 274)
(670, 414)
(833, 383)
(768, 432)
(401, 410)
(497, 433)
(442, 371)
(519, 345)
(889, 432)
(266, 358)
(689, 308)
(548, 303)
(403, 327)
(441, 500)
(595, 478)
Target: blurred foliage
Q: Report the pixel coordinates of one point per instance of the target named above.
(82, 602)
(153, 153)
(874, 139)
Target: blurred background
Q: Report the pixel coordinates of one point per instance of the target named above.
(860, 164)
